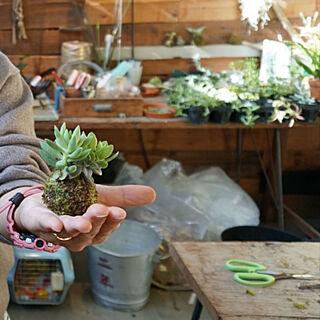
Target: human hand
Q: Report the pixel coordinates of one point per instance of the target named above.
(93, 227)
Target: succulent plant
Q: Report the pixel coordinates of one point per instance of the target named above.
(74, 157)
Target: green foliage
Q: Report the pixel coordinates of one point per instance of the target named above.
(247, 109)
(250, 72)
(308, 57)
(74, 152)
(156, 81)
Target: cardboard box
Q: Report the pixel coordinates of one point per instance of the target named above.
(84, 107)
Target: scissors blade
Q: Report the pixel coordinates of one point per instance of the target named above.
(282, 275)
(270, 272)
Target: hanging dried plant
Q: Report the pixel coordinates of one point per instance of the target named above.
(255, 13)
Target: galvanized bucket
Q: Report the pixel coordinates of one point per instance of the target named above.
(121, 268)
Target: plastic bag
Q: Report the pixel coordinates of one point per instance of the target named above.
(199, 206)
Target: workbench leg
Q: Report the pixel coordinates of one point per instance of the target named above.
(238, 159)
(278, 171)
(197, 311)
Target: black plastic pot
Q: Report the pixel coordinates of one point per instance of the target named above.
(309, 112)
(264, 102)
(257, 233)
(196, 115)
(264, 113)
(236, 116)
(220, 114)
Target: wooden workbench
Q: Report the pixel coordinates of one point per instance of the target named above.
(203, 265)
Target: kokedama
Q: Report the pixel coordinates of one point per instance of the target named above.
(74, 157)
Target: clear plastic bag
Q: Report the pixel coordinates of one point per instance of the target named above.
(199, 206)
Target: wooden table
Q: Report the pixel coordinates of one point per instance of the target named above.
(203, 265)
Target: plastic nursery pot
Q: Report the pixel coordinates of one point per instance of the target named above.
(196, 116)
(315, 88)
(309, 112)
(264, 113)
(236, 116)
(264, 102)
(159, 110)
(220, 114)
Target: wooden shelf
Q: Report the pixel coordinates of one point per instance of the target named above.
(145, 123)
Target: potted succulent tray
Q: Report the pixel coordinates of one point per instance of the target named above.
(159, 110)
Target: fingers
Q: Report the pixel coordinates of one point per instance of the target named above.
(125, 196)
(116, 216)
(93, 227)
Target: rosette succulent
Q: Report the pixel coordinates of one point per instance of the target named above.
(73, 157)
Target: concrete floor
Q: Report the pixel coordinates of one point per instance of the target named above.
(79, 305)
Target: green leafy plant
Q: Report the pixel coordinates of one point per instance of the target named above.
(247, 110)
(302, 95)
(250, 75)
(196, 36)
(74, 157)
(307, 57)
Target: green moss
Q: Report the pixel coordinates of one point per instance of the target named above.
(70, 196)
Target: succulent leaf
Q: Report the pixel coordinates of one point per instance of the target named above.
(54, 145)
(72, 169)
(64, 174)
(53, 153)
(60, 164)
(55, 175)
(72, 144)
(106, 152)
(47, 158)
(74, 153)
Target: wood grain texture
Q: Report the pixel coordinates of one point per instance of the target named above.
(41, 14)
(203, 265)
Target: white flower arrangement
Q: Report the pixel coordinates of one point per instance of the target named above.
(255, 12)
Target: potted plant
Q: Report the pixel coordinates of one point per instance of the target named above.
(308, 57)
(286, 111)
(159, 110)
(245, 112)
(310, 107)
(74, 157)
(222, 109)
(196, 36)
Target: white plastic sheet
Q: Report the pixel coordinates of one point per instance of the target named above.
(199, 206)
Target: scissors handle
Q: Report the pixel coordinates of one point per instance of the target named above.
(236, 265)
(254, 279)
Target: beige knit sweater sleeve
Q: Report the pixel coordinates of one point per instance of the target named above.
(21, 164)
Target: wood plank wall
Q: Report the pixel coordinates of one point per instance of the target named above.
(50, 22)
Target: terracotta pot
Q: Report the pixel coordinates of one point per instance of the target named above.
(159, 110)
(150, 92)
(315, 88)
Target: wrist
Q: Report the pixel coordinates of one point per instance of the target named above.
(3, 215)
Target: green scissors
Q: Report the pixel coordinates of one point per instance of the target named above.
(247, 273)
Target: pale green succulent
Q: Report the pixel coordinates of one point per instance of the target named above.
(74, 152)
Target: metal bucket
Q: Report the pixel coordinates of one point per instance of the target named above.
(121, 268)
